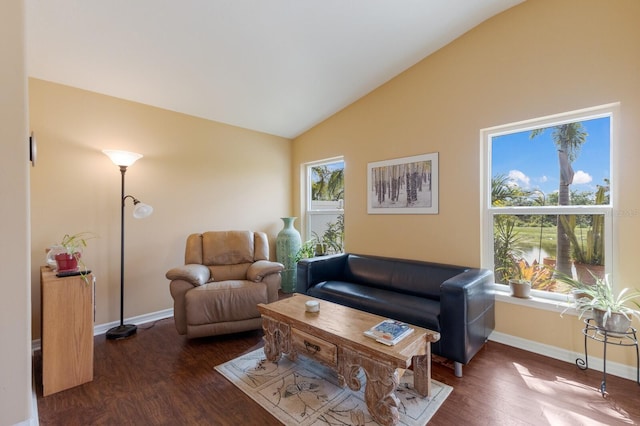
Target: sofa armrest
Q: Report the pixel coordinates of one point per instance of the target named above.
(318, 269)
(192, 273)
(261, 268)
(466, 313)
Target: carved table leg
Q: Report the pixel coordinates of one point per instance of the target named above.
(422, 369)
(382, 381)
(277, 339)
(422, 374)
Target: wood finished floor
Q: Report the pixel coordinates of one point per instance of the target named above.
(158, 377)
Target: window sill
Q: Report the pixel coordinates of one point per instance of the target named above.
(536, 303)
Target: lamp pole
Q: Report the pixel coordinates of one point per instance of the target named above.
(123, 330)
(123, 159)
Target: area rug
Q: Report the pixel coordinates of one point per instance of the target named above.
(307, 393)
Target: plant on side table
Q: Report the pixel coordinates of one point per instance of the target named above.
(611, 311)
(68, 252)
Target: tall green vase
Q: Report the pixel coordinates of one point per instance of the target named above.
(288, 243)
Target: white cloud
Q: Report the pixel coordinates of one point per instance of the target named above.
(517, 177)
(581, 177)
(543, 179)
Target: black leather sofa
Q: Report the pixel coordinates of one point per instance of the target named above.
(456, 301)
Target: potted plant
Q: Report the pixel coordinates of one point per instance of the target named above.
(306, 251)
(519, 279)
(330, 242)
(520, 287)
(611, 311)
(69, 251)
(522, 277)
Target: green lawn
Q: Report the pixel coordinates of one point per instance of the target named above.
(532, 237)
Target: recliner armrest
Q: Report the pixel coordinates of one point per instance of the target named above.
(192, 273)
(261, 268)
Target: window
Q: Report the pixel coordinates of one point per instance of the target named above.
(325, 202)
(546, 199)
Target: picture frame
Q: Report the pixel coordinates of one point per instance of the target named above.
(407, 185)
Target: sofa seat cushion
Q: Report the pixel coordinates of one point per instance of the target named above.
(403, 307)
(233, 300)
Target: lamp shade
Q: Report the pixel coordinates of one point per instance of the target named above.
(142, 210)
(122, 158)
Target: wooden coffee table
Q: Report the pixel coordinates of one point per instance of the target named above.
(334, 336)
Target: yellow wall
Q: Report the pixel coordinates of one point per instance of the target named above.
(197, 174)
(15, 310)
(539, 58)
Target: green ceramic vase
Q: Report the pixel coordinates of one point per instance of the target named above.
(288, 243)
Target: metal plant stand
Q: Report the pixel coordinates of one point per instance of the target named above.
(628, 338)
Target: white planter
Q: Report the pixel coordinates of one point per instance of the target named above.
(616, 323)
(520, 288)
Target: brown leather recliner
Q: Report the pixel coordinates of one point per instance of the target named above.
(226, 274)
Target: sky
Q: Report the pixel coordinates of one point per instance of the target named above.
(533, 163)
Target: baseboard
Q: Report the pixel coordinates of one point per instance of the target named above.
(102, 328)
(139, 320)
(595, 363)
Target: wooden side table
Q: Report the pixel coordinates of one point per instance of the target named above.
(67, 330)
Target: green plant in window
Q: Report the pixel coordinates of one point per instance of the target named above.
(331, 241)
(540, 277)
(333, 237)
(306, 251)
(505, 249)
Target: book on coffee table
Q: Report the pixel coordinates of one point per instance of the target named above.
(389, 331)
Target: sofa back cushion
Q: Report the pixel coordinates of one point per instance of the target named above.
(405, 276)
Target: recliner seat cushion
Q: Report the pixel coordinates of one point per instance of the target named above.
(233, 300)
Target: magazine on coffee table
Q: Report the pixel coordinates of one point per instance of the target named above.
(389, 331)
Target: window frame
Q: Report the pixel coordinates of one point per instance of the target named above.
(488, 211)
(307, 204)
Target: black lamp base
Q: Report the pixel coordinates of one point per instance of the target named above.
(121, 331)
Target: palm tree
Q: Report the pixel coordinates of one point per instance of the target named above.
(335, 186)
(568, 138)
(327, 185)
(319, 186)
(504, 194)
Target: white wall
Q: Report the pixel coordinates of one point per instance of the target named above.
(15, 303)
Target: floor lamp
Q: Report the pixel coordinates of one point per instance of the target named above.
(124, 159)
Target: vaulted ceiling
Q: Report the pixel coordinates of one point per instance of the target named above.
(275, 66)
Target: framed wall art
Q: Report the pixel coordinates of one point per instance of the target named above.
(406, 185)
